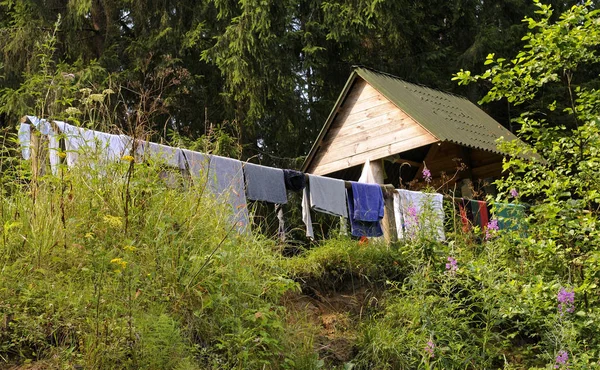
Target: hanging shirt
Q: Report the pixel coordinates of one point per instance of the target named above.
(265, 183)
(328, 195)
(226, 181)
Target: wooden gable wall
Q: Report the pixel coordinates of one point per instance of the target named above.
(366, 126)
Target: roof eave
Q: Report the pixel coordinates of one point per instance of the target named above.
(329, 121)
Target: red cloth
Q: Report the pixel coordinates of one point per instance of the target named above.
(483, 214)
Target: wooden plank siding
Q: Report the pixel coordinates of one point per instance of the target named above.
(367, 126)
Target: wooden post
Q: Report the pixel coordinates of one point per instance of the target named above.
(388, 224)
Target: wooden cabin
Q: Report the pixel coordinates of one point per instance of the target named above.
(403, 127)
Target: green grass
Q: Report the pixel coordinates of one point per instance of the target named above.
(97, 274)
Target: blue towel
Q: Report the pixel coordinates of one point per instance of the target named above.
(368, 202)
(226, 181)
(265, 184)
(363, 228)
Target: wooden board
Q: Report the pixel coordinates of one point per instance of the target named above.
(367, 126)
(378, 153)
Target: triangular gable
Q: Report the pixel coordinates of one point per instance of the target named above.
(367, 125)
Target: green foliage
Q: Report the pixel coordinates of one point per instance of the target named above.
(560, 182)
(149, 296)
(340, 259)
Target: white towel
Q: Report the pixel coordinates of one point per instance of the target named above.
(25, 140)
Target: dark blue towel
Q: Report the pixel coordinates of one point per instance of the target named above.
(363, 228)
(368, 202)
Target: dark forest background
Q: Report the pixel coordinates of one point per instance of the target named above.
(266, 72)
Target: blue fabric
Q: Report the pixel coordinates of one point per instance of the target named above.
(265, 184)
(368, 202)
(363, 228)
(226, 181)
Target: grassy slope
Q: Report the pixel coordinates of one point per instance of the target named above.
(170, 286)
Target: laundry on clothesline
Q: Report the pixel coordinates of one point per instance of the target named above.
(294, 180)
(226, 181)
(366, 209)
(417, 214)
(265, 184)
(197, 164)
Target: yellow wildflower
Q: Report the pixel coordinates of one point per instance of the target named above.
(119, 262)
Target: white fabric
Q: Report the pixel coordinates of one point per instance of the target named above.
(306, 213)
(77, 139)
(398, 216)
(367, 176)
(104, 146)
(421, 214)
(53, 150)
(41, 125)
(25, 140)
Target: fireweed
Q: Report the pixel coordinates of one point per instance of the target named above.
(426, 175)
(430, 348)
(491, 229)
(566, 301)
(451, 266)
(562, 360)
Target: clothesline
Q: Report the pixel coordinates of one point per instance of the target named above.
(236, 181)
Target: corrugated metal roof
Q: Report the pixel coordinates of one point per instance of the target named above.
(446, 116)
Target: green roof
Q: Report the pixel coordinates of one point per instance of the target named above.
(446, 116)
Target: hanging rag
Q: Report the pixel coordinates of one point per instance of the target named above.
(398, 215)
(170, 156)
(480, 213)
(510, 216)
(365, 202)
(226, 181)
(281, 221)
(53, 150)
(367, 175)
(328, 195)
(421, 214)
(306, 212)
(77, 140)
(265, 183)
(25, 140)
(197, 164)
(294, 180)
(464, 212)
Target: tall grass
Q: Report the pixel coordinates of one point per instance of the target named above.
(176, 288)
